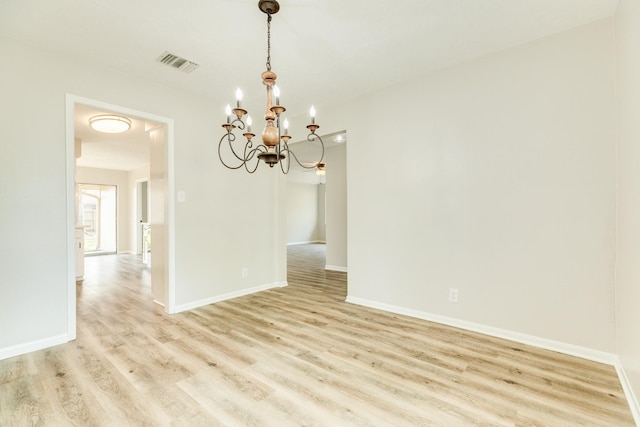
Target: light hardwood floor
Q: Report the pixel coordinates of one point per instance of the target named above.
(294, 356)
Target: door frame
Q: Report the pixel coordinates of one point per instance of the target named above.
(169, 267)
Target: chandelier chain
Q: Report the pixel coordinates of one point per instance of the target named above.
(268, 41)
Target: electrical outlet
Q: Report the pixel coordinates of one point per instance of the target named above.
(245, 272)
(453, 295)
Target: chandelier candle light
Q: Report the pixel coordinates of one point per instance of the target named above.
(275, 141)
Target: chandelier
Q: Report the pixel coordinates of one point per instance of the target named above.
(274, 148)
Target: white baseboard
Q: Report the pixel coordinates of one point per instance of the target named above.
(17, 350)
(561, 347)
(229, 295)
(634, 405)
(336, 268)
(306, 243)
(570, 349)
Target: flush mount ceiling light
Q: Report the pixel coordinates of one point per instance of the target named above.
(274, 148)
(110, 123)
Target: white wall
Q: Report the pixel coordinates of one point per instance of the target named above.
(322, 212)
(302, 212)
(627, 21)
(159, 215)
(336, 188)
(216, 232)
(33, 225)
(500, 183)
(123, 208)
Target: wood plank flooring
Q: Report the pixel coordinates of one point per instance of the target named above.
(294, 356)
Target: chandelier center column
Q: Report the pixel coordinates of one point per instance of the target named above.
(270, 135)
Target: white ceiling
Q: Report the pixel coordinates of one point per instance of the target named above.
(126, 151)
(324, 51)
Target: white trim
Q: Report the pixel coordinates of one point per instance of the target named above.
(70, 150)
(171, 230)
(310, 242)
(227, 296)
(19, 349)
(570, 349)
(634, 405)
(336, 268)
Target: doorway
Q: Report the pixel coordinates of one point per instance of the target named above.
(98, 217)
(317, 200)
(159, 130)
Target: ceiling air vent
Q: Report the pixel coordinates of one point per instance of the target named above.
(175, 61)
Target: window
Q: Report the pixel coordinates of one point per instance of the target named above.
(98, 215)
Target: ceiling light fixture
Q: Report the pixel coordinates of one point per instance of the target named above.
(110, 123)
(274, 148)
(321, 169)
